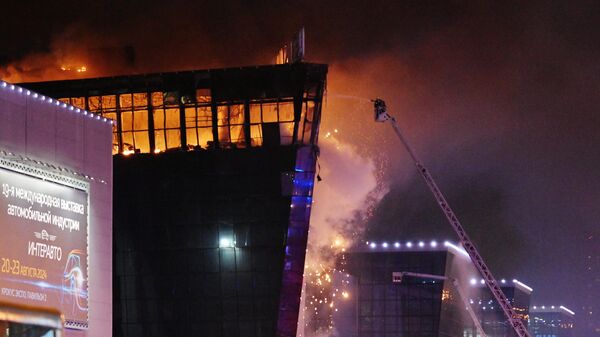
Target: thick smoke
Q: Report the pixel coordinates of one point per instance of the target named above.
(343, 202)
(345, 197)
(500, 100)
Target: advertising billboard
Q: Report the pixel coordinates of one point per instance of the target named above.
(43, 245)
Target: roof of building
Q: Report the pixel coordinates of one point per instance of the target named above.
(267, 81)
(551, 309)
(429, 246)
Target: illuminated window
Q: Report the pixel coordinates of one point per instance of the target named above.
(125, 101)
(306, 121)
(94, 103)
(230, 125)
(172, 118)
(134, 121)
(140, 128)
(198, 124)
(236, 120)
(127, 129)
(256, 135)
(191, 126)
(269, 112)
(157, 99)
(286, 120)
(140, 100)
(167, 133)
(109, 102)
(78, 102)
(255, 113)
(286, 111)
(286, 133)
(281, 112)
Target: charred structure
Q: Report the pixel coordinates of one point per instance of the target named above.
(213, 180)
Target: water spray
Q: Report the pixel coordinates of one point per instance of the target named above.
(382, 115)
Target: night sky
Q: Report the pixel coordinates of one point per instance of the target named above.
(501, 101)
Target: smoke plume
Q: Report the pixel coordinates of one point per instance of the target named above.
(499, 99)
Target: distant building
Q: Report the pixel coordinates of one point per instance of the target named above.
(491, 315)
(384, 304)
(419, 289)
(551, 321)
(590, 311)
(213, 180)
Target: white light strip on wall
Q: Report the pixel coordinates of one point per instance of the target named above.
(522, 285)
(421, 245)
(26, 92)
(567, 310)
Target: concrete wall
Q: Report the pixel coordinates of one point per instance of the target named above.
(36, 127)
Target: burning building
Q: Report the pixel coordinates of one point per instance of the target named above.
(213, 180)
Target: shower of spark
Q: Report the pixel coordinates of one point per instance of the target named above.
(343, 201)
(322, 294)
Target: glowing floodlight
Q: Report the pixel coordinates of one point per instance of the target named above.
(225, 243)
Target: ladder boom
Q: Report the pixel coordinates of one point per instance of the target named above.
(381, 115)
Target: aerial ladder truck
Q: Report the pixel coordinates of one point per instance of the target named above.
(381, 115)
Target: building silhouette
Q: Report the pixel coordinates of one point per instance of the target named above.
(418, 289)
(213, 179)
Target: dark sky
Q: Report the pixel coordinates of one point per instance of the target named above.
(501, 100)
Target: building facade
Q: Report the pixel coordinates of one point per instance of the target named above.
(551, 321)
(428, 302)
(492, 317)
(213, 175)
(420, 289)
(56, 218)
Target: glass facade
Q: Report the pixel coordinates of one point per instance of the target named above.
(493, 321)
(421, 292)
(414, 306)
(213, 180)
(194, 112)
(550, 321)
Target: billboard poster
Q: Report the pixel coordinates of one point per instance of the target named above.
(43, 245)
